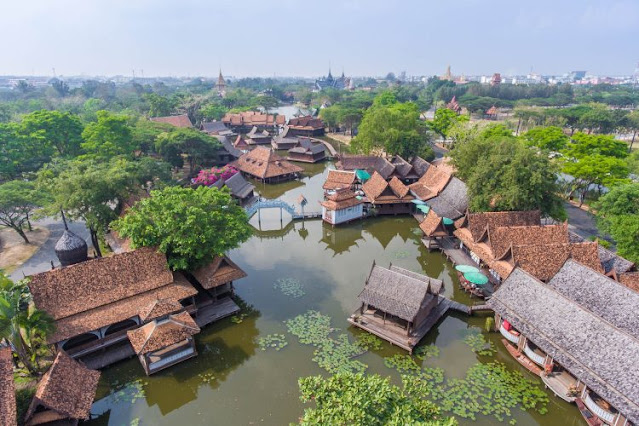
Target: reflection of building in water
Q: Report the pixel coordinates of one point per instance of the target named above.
(342, 239)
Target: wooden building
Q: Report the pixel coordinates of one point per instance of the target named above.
(307, 151)
(94, 303)
(579, 332)
(404, 170)
(164, 341)
(284, 141)
(339, 179)
(217, 276)
(444, 193)
(243, 122)
(174, 120)
(256, 137)
(64, 395)
(8, 416)
(306, 126)
(398, 305)
(242, 145)
(266, 166)
(342, 206)
(215, 128)
(388, 197)
(241, 189)
(369, 163)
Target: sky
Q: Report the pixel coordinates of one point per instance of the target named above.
(301, 38)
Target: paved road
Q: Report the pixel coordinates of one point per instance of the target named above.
(41, 260)
(583, 223)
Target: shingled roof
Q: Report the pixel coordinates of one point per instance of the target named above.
(478, 222)
(220, 270)
(395, 293)
(403, 168)
(435, 286)
(433, 226)
(611, 261)
(174, 120)
(630, 280)
(157, 335)
(7, 388)
(240, 187)
(341, 199)
(503, 237)
(578, 318)
(229, 147)
(452, 201)
(264, 163)
(339, 179)
(159, 308)
(307, 146)
(306, 123)
(68, 388)
(370, 163)
(106, 290)
(419, 165)
(214, 127)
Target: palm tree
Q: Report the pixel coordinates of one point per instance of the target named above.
(20, 322)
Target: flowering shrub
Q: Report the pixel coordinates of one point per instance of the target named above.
(209, 177)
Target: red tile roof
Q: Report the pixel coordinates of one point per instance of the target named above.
(175, 120)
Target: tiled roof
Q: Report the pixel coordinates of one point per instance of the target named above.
(501, 238)
(68, 388)
(220, 270)
(159, 308)
(264, 163)
(452, 201)
(374, 187)
(402, 167)
(630, 280)
(370, 163)
(398, 188)
(341, 199)
(253, 118)
(175, 120)
(432, 225)
(339, 179)
(478, 222)
(419, 165)
(158, 335)
(7, 388)
(306, 123)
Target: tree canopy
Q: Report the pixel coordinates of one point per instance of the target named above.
(109, 136)
(444, 120)
(551, 138)
(190, 226)
(18, 200)
(62, 130)
(196, 145)
(617, 215)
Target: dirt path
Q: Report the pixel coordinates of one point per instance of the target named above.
(13, 250)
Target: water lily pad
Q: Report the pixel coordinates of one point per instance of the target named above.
(290, 287)
(272, 341)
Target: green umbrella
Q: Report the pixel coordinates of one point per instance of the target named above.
(447, 221)
(466, 268)
(423, 208)
(476, 278)
(418, 202)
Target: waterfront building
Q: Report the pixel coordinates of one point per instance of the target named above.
(227, 152)
(341, 206)
(566, 330)
(339, 179)
(307, 151)
(306, 126)
(266, 166)
(214, 128)
(444, 193)
(217, 276)
(369, 163)
(390, 197)
(405, 170)
(256, 137)
(243, 122)
(284, 140)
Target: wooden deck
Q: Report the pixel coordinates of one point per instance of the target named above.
(395, 334)
(522, 359)
(588, 415)
(215, 311)
(560, 383)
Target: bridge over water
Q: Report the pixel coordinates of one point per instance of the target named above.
(283, 206)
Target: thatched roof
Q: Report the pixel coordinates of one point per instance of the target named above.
(339, 179)
(341, 199)
(452, 201)
(174, 120)
(419, 165)
(264, 163)
(7, 388)
(103, 291)
(477, 223)
(435, 286)
(239, 186)
(590, 331)
(220, 270)
(395, 293)
(433, 226)
(159, 308)
(630, 280)
(370, 163)
(158, 335)
(503, 237)
(68, 388)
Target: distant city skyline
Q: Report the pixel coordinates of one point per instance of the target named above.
(287, 38)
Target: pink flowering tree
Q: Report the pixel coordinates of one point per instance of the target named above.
(210, 176)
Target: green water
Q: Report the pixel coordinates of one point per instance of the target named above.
(233, 382)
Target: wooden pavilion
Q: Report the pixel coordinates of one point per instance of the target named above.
(342, 206)
(307, 151)
(266, 166)
(256, 137)
(388, 197)
(398, 305)
(64, 395)
(339, 179)
(165, 341)
(7, 388)
(218, 275)
(306, 126)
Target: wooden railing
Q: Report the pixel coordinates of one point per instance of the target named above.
(604, 415)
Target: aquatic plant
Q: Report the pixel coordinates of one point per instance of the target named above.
(135, 422)
(272, 341)
(206, 377)
(426, 351)
(489, 325)
(290, 287)
(402, 363)
(369, 342)
(131, 392)
(401, 254)
(311, 328)
(246, 310)
(479, 344)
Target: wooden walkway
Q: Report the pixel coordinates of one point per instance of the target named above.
(476, 308)
(330, 148)
(211, 312)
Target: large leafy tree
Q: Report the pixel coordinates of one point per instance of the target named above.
(18, 200)
(392, 127)
(361, 399)
(21, 152)
(584, 145)
(109, 136)
(62, 130)
(195, 145)
(20, 323)
(617, 215)
(631, 124)
(444, 120)
(599, 170)
(190, 226)
(549, 138)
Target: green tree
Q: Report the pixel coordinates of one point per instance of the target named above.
(160, 106)
(18, 200)
(444, 120)
(195, 145)
(617, 216)
(109, 136)
(21, 152)
(21, 324)
(190, 226)
(630, 123)
(606, 145)
(597, 170)
(213, 111)
(361, 399)
(598, 119)
(62, 130)
(548, 138)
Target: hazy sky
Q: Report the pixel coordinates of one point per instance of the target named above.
(300, 38)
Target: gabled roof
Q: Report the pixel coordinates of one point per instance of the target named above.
(431, 183)
(264, 163)
(501, 238)
(432, 225)
(341, 199)
(395, 293)
(339, 179)
(435, 286)
(578, 318)
(7, 388)
(452, 201)
(419, 165)
(68, 387)
(611, 261)
(159, 308)
(398, 188)
(157, 335)
(478, 222)
(306, 123)
(370, 163)
(240, 187)
(229, 147)
(306, 146)
(402, 167)
(214, 127)
(174, 120)
(220, 270)
(240, 143)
